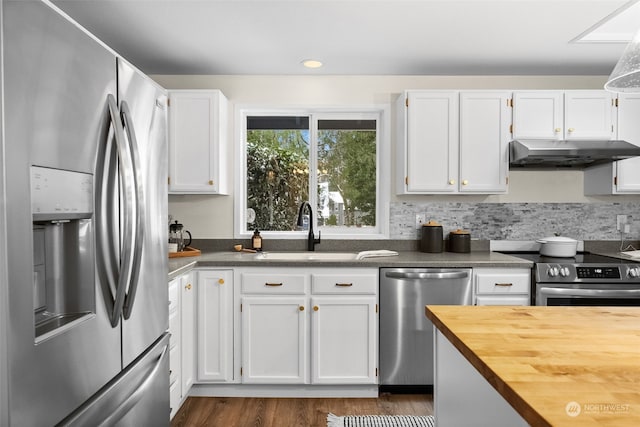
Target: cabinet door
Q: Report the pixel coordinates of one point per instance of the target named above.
(188, 331)
(175, 387)
(432, 142)
(215, 325)
(537, 115)
(197, 142)
(274, 340)
(627, 178)
(589, 114)
(344, 340)
(485, 118)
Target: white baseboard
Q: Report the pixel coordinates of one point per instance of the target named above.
(280, 390)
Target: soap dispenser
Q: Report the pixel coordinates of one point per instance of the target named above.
(256, 241)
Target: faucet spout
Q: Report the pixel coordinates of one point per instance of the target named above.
(311, 240)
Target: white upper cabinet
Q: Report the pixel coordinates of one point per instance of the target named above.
(428, 142)
(621, 177)
(197, 142)
(589, 114)
(572, 114)
(627, 172)
(485, 118)
(537, 115)
(453, 142)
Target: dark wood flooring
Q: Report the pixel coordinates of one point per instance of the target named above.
(305, 412)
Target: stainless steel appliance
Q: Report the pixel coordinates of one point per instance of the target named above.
(585, 279)
(540, 153)
(86, 207)
(406, 335)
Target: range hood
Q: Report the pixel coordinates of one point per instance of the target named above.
(577, 154)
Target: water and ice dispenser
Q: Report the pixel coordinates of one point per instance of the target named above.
(63, 250)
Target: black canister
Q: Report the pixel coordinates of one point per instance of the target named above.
(460, 241)
(431, 240)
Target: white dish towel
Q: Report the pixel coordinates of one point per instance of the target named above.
(378, 253)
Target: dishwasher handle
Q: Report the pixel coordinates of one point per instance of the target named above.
(434, 275)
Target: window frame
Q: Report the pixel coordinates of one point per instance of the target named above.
(381, 113)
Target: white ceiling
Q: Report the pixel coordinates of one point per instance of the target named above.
(353, 37)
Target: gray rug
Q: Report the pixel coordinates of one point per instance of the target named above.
(380, 421)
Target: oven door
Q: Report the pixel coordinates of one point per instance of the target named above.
(592, 294)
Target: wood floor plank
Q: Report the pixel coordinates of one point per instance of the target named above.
(281, 412)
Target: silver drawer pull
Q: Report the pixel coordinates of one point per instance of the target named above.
(344, 285)
(504, 284)
(273, 284)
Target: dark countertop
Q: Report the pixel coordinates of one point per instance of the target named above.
(178, 266)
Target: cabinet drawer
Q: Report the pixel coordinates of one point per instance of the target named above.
(344, 283)
(502, 300)
(174, 328)
(174, 397)
(506, 283)
(174, 364)
(174, 294)
(274, 283)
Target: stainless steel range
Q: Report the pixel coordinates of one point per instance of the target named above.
(586, 279)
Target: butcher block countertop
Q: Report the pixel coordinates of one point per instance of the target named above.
(556, 366)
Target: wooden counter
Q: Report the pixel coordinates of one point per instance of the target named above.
(556, 366)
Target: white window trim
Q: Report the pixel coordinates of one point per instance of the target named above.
(383, 170)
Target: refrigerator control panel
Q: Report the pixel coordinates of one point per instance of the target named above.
(58, 194)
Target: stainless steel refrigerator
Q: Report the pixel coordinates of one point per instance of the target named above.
(85, 149)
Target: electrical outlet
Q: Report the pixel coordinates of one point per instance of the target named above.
(621, 220)
(420, 219)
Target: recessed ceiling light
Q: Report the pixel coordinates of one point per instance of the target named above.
(312, 63)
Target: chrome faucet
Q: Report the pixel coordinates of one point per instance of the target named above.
(311, 241)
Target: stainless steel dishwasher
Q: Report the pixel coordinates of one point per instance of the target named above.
(406, 335)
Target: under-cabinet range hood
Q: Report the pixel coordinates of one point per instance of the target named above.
(543, 153)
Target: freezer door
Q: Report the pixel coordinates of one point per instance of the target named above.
(143, 106)
(138, 397)
(56, 83)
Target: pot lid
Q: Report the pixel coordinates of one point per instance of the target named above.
(557, 239)
(431, 223)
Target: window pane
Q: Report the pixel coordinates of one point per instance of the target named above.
(347, 173)
(277, 170)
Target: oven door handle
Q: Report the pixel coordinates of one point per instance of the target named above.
(606, 293)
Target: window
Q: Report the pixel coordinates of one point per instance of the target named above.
(330, 159)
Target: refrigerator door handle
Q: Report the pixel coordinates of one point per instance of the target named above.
(131, 400)
(140, 208)
(126, 178)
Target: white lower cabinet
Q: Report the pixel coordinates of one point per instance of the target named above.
(182, 341)
(502, 286)
(343, 331)
(188, 332)
(308, 326)
(215, 325)
(174, 346)
(274, 340)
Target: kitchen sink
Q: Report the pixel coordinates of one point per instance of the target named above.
(307, 256)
